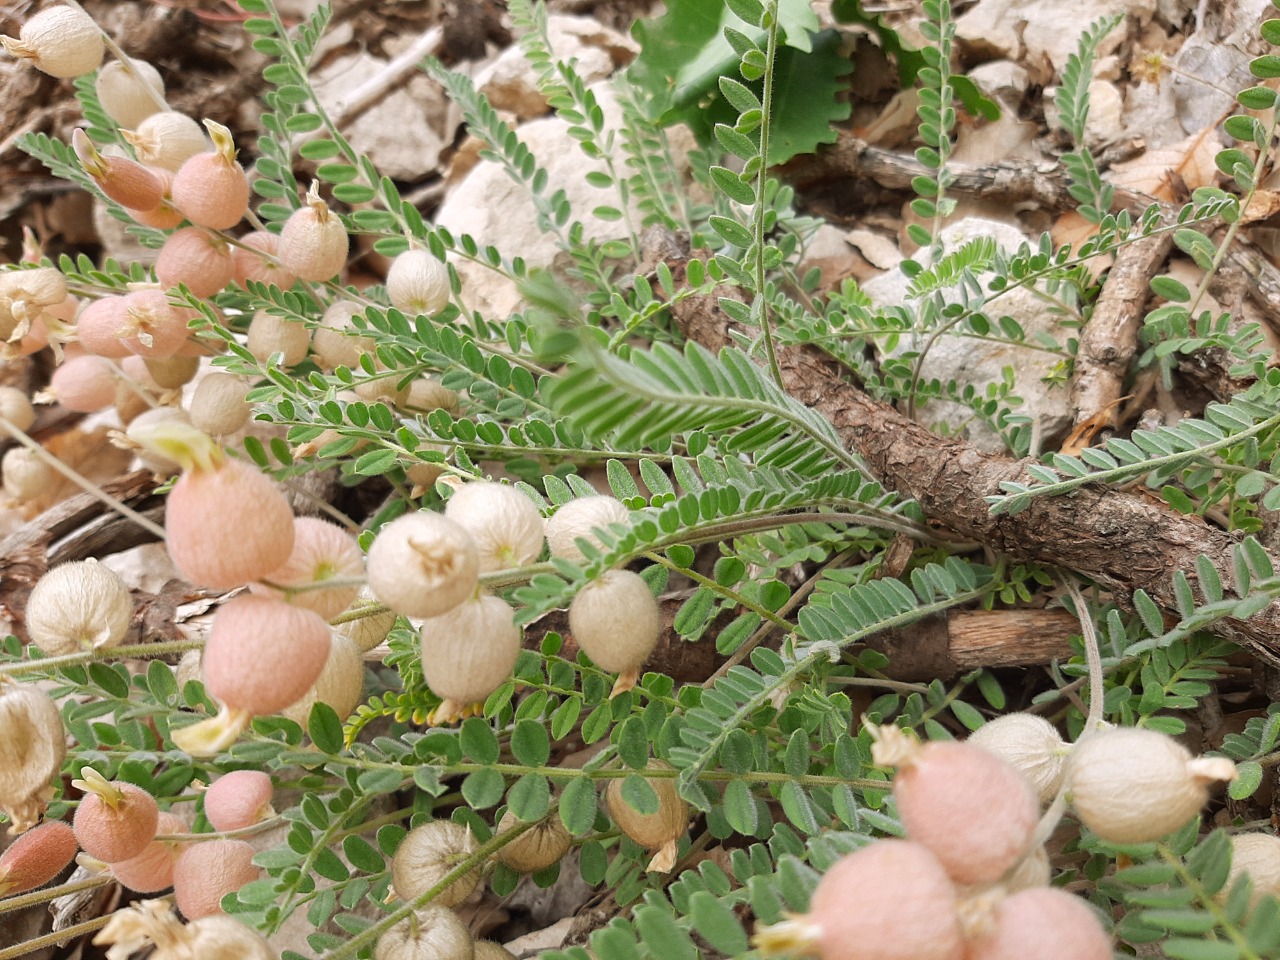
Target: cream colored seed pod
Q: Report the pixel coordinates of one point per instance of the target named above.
(41, 287)
(425, 473)
(507, 527)
(468, 652)
(1130, 785)
(658, 831)
(577, 519)
(129, 94)
(615, 620)
(423, 565)
(270, 334)
(427, 394)
(218, 406)
(367, 631)
(217, 937)
(431, 933)
(1029, 743)
(170, 373)
(167, 139)
(334, 341)
(1258, 856)
(60, 41)
(543, 844)
(26, 476)
(31, 752)
(427, 854)
(78, 606)
(383, 387)
(340, 685)
(313, 242)
(418, 283)
(15, 406)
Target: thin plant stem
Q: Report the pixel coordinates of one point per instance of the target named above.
(46, 894)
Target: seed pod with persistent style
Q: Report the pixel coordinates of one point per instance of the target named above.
(78, 606)
(115, 820)
(238, 799)
(418, 283)
(313, 242)
(36, 857)
(125, 181)
(423, 565)
(197, 258)
(207, 871)
(659, 831)
(211, 189)
(61, 41)
(506, 526)
(216, 937)
(432, 932)
(543, 844)
(616, 621)
(468, 652)
(31, 752)
(429, 852)
(129, 94)
(577, 519)
(167, 140)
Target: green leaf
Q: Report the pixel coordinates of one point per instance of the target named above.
(362, 854)
(324, 728)
(478, 741)
(662, 936)
(716, 923)
(530, 797)
(578, 805)
(1248, 779)
(109, 680)
(483, 788)
(530, 744)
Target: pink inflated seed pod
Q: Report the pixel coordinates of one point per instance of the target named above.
(1042, 923)
(313, 242)
(99, 326)
(976, 813)
(153, 327)
(199, 259)
(238, 799)
(249, 265)
(125, 181)
(84, 384)
(152, 869)
(322, 551)
(891, 900)
(209, 870)
(211, 189)
(36, 857)
(115, 820)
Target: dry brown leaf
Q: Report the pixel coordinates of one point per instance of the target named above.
(1074, 229)
(1083, 433)
(1263, 205)
(1168, 173)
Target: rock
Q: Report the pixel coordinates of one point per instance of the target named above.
(402, 133)
(1002, 79)
(596, 51)
(981, 363)
(496, 210)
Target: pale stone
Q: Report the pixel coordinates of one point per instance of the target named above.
(980, 363)
(1002, 79)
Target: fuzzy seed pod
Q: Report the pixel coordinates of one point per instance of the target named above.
(216, 937)
(1041, 924)
(41, 287)
(31, 752)
(427, 394)
(115, 820)
(84, 384)
(468, 652)
(167, 139)
(973, 811)
(891, 900)
(335, 342)
(488, 950)
(382, 387)
(125, 181)
(340, 684)
(249, 265)
(369, 631)
(152, 869)
(164, 215)
(26, 476)
(78, 606)
(36, 857)
(129, 94)
(545, 843)
(418, 283)
(263, 654)
(424, 473)
(1256, 855)
(615, 620)
(145, 425)
(200, 260)
(313, 241)
(207, 871)
(507, 527)
(219, 407)
(423, 565)
(322, 551)
(577, 519)
(15, 406)
(1031, 744)
(135, 368)
(99, 326)
(170, 373)
(61, 41)
(658, 831)
(211, 189)
(153, 327)
(427, 854)
(433, 932)
(238, 799)
(228, 526)
(270, 334)
(1034, 870)
(1129, 785)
